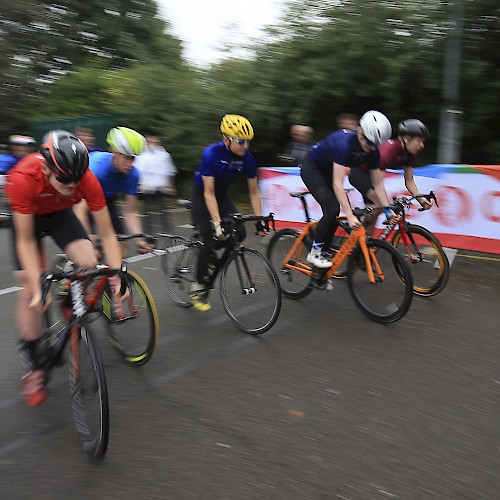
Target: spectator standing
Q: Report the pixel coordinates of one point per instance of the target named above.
(297, 148)
(157, 180)
(347, 121)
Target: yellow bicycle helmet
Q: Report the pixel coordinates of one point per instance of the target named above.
(126, 141)
(236, 126)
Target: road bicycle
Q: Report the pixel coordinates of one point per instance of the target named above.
(67, 322)
(378, 278)
(429, 264)
(420, 248)
(249, 285)
(131, 326)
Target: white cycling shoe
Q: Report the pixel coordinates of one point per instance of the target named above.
(318, 260)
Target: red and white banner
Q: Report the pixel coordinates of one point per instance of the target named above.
(468, 216)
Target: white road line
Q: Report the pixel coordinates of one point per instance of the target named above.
(11, 289)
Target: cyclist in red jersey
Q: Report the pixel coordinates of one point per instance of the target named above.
(396, 153)
(42, 188)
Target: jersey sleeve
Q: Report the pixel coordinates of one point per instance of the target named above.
(206, 167)
(20, 189)
(92, 192)
(133, 182)
(250, 167)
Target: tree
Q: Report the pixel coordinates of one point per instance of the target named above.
(41, 43)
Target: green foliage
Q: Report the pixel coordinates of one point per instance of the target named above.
(325, 57)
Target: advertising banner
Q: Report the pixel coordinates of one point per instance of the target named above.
(468, 216)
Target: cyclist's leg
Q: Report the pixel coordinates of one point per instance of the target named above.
(227, 207)
(70, 236)
(201, 219)
(29, 319)
(116, 221)
(321, 189)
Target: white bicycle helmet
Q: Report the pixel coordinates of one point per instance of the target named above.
(376, 127)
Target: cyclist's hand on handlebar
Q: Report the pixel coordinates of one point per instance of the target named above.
(219, 232)
(353, 221)
(143, 246)
(389, 213)
(260, 228)
(36, 301)
(424, 203)
(120, 285)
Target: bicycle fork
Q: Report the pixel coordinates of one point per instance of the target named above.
(242, 263)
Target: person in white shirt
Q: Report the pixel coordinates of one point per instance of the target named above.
(157, 181)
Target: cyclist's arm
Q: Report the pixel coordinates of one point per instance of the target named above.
(255, 199)
(28, 253)
(210, 200)
(133, 222)
(377, 178)
(412, 187)
(110, 245)
(82, 212)
(339, 173)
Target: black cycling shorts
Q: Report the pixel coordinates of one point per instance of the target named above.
(64, 227)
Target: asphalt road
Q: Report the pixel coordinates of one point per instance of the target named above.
(327, 405)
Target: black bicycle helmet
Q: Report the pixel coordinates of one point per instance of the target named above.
(65, 155)
(413, 128)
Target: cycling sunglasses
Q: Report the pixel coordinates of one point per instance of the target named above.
(65, 180)
(238, 141)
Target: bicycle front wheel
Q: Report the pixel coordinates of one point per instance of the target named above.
(132, 325)
(389, 298)
(89, 393)
(294, 284)
(428, 262)
(178, 265)
(250, 291)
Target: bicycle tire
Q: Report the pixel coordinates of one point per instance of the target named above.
(391, 302)
(179, 266)
(428, 262)
(132, 326)
(294, 284)
(88, 382)
(250, 291)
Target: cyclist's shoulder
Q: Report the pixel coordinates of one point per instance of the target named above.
(100, 160)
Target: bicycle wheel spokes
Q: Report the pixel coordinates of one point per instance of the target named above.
(250, 291)
(294, 284)
(389, 298)
(133, 326)
(428, 262)
(89, 394)
(178, 266)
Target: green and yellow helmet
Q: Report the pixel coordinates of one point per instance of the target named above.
(236, 126)
(126, 141)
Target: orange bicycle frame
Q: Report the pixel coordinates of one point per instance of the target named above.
(358, 236)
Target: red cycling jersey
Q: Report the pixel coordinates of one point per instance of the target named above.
(30, 191)
(393, 155)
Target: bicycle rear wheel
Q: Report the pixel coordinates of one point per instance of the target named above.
(294, 284)
(389, 298)
(89, 393)
(132, 325)
(250, 291)
(428, 262)
(178, 265)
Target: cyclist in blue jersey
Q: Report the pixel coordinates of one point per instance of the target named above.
(221, 163)
(19, 146)
(118, 177)
(325, 167)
